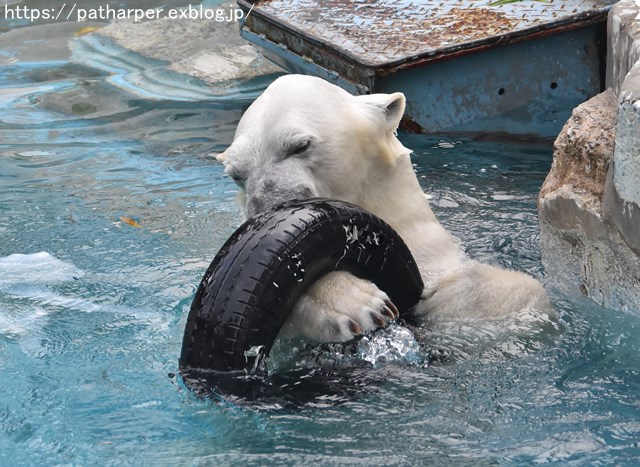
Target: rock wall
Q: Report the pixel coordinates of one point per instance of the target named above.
(589, 204)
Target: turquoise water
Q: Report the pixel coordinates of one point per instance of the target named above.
(110, 211)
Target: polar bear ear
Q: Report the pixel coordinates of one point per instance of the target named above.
(223, 155)
(392, 105)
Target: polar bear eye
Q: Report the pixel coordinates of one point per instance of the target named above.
(238, 181)
(238, 178)
(299, 147)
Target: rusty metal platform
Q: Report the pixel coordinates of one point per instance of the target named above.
(378, 33)
(367, 45)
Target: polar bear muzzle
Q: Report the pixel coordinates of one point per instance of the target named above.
(271, 194)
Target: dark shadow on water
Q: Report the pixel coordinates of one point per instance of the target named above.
(298, 374)
(290, 389)
(324, 375)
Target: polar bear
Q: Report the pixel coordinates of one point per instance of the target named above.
(305, 137)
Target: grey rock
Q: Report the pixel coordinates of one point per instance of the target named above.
(589, 205)
(584, 147)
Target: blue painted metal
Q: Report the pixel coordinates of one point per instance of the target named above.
(294, 63)
(465, 66)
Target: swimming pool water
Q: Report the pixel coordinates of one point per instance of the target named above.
(110, 211)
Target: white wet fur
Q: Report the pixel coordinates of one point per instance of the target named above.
(304, 137)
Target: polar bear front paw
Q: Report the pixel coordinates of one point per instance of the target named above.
(337, 308)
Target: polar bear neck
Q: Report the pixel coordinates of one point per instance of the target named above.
(396, 196)
(398, 199)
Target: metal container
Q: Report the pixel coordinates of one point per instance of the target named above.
(465, 67)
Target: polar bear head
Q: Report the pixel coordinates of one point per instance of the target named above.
(304, 137)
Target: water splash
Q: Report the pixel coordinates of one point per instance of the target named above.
(36, 268)
(393, 344)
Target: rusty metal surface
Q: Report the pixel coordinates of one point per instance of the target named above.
(377, 33)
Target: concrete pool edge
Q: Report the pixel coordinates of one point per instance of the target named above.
(590, 203)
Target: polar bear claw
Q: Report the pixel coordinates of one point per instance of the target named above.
(338, 307)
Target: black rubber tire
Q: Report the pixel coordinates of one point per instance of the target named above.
(271, 260)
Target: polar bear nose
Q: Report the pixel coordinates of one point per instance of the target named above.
(273, 195)
(305, 192)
